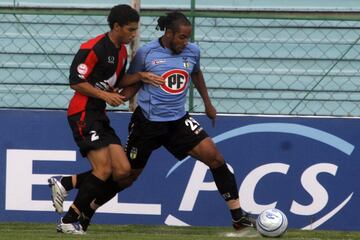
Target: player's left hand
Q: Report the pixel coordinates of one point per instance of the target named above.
(211, 113)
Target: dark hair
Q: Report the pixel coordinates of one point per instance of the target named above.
(122, 14)
(172, 21)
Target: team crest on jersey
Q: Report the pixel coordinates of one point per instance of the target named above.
(82, 69)
(176, 81)
(186, 63)
(133, 153)
(158, 61)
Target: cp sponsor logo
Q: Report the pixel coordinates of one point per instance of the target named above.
(175, 81)
(313, 198)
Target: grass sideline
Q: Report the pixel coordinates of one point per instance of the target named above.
(36, 231)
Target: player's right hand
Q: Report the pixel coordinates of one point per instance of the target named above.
(210, 111)
(152, 79)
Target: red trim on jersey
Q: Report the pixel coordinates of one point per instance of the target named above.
(122, 58)
(81, 124)
(77, 104)
(91, 58)
(90, 62)
(91, 43)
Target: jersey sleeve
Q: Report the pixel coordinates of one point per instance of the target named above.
(82, 65)
(137, 64)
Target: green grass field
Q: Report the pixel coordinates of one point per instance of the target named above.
(29, 231)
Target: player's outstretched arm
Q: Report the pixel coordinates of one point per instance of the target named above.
(129, 91)
(85, 88)
(146, 77)
(199, 82)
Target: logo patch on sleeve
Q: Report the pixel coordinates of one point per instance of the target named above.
(82, 69)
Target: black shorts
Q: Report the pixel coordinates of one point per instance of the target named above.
(178, 137)
(91, 130)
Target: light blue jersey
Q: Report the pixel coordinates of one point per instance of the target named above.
(167, 102)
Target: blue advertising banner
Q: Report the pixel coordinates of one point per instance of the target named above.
(307, 167)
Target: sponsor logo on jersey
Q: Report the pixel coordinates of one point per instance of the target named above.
(176, 81)
(158, 61)
(111, 59)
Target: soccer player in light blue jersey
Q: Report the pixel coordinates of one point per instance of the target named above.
(161, 119)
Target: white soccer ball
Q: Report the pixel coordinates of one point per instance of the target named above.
(271, 223)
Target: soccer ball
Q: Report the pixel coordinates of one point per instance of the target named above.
(271, 223)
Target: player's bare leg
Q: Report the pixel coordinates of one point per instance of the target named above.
(207, 153)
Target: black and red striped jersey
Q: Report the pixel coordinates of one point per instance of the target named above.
(99, 63)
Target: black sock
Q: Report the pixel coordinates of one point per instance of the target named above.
(71, 216)
(225, 182)
(88, 191)
(81, 177)
(67, 180)
(67, 183)
(85, 220)
(109, 191)
(236, 214)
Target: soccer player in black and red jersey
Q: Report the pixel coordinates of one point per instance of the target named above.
(96, 74)
(162, 120)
